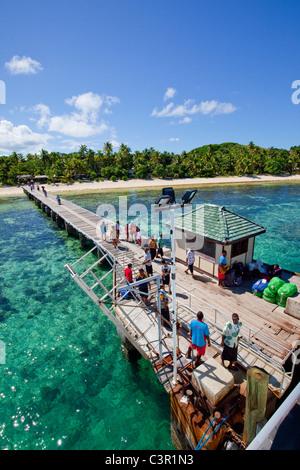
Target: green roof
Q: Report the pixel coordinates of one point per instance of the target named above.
(218, 224)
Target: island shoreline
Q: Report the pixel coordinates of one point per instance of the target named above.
(120, 185)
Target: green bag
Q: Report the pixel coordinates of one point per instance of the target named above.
(258, 294)
(275, 284)
(287, 290)
(269, 296)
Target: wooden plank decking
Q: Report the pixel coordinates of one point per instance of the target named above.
(267, 326)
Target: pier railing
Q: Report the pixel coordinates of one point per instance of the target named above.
(216, 319)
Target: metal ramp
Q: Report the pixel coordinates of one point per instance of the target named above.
(132, 318)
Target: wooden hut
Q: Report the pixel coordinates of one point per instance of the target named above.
(211, 228)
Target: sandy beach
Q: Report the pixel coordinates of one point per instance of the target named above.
(120, 185)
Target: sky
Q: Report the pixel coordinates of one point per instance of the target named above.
(169, 74)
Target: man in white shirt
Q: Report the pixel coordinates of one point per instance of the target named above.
(190, 259)
(148, 262)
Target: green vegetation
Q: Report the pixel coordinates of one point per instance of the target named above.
(209, 160)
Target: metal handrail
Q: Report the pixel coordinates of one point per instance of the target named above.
(251, 331)
(249, 344)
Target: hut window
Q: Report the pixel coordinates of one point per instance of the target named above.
(208, 249)
(239, 248)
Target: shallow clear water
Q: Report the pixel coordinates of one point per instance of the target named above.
(65, 383)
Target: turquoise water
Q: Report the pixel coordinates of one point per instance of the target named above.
(66, 383)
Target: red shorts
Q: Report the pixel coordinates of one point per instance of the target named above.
(200, 349)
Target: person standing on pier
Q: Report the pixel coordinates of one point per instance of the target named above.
(132, 231)
(103, 230)
(199, 335)
(160, 251)
(148, 262)
(190, 259)
(143, 288)
(128, 273)
(127, 232)
(222, 269)
(58, 200)
(152, 247)
(165, 274)
(229, 341)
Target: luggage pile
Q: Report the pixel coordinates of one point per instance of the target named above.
(259, 287)
(234, 276)
(276, 291)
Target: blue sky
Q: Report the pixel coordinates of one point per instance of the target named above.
(168, 74)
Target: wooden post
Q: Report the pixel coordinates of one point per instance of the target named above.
(256, 400)
(82, 240)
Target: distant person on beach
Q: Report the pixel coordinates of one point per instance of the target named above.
(222, 269)
(230, 336)
(199, 335)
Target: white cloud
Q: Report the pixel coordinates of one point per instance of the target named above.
(189, 108)
(174, 139)
(75, 126)
(88, 104)
(185, 120)
(20, 138)
(84, 122)
(23, 65)
(169, 94)
(44, 112)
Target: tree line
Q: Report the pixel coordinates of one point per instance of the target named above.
(206, 161)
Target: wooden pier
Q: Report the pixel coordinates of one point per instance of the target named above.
(271, 338)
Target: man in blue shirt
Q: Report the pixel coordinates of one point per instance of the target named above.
(199, 334)
(222, 268)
